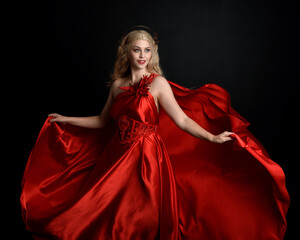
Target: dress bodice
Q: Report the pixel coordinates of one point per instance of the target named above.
(136, 102)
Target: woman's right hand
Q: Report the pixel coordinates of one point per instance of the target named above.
(57, 118)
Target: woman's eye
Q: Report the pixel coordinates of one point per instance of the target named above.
(137, 50)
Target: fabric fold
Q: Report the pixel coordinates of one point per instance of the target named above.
(141, 177)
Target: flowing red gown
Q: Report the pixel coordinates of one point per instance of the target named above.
(141, 177)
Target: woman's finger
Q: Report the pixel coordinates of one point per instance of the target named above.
(227, 139)
(228, 133)
(54, 115)
(53, 120)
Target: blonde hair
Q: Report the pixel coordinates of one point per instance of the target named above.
(122, 64)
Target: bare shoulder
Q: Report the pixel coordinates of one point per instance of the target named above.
(160, 86)
(160, 82)
(116, 83)
(159, 79)
(115, 86)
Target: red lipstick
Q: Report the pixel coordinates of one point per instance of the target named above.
(141, 61)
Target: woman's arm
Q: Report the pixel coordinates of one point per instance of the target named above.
(98, 121)
(168, 102)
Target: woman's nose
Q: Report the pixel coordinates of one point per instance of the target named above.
(141, 54)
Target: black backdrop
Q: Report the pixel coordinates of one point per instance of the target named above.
(61, 53)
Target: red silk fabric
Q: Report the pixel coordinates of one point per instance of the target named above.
(141, 177)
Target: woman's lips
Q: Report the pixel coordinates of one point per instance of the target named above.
(141, 61)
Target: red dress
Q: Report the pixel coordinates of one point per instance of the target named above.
(141, 177)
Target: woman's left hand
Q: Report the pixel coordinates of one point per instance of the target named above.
(223, 137)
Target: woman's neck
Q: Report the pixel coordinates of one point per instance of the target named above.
(136, 75)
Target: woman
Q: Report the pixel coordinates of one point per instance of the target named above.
(140, 176)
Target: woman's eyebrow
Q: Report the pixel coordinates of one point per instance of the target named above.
(140, 47)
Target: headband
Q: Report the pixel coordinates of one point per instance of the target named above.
(141, 27)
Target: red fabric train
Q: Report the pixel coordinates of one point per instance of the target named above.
(141, 177)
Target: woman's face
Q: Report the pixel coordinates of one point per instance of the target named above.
(140, 54)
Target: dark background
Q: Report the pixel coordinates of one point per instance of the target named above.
(61, 53)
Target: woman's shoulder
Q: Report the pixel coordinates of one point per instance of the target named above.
(159, 81)
(116, 84)
(159, 85)
(119, 82)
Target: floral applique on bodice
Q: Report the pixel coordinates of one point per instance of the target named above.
(140, 88)
(135, 111)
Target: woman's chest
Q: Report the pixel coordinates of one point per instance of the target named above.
(139, 107)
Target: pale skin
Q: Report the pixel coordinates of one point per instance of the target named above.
(160, 90)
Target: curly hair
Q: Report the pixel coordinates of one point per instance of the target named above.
(122, 64)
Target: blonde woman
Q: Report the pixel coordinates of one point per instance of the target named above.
(153, 169)
(135, 60)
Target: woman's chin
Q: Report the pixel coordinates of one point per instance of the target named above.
(139, 67)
